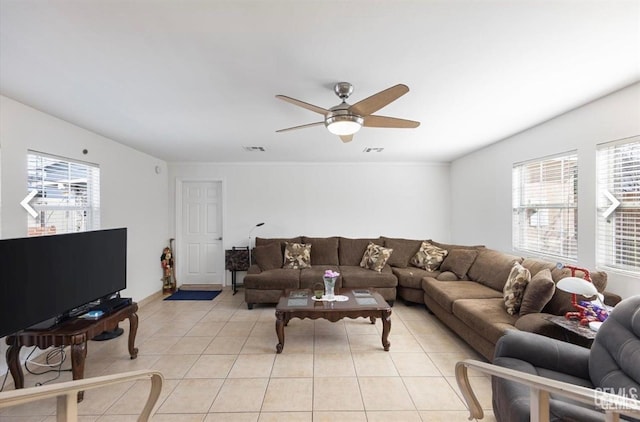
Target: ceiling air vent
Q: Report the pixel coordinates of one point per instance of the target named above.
(254, 149)
(370, 149)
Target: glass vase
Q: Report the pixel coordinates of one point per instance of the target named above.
(329, 287)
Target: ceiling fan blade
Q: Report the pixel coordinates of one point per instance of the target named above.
(383, 121)
(346, 138)
(300, 127)
(302, 104)
(375, 102)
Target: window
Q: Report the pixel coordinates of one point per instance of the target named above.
(618, 226)
(545, 212)
(68, 195)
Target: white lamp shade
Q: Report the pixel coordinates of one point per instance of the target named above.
(578, 286)
(343, 127)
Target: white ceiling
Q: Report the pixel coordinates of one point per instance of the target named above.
(187, 80)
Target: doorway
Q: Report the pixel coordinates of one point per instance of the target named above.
(200, 255)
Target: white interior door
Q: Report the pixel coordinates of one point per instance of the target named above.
(201, 254)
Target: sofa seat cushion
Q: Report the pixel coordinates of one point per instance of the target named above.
(350, 251)
(487, 317)
(403, 250)
(277, 279)
(447, 292)
(356, 277)
(312, 275)
(412, 277)
(324, 250)
(492, 268)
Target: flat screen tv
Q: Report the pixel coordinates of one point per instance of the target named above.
(46, 277)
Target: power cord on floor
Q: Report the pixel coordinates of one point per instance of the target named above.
(56, 353)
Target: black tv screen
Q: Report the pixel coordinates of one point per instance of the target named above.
(47, 276)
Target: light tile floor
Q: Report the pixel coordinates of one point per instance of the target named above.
(219, 363)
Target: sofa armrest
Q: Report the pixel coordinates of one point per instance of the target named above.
(611, 299)
(254, 269)
(544, 352)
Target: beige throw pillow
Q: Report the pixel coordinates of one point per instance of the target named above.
(428, 257)
(375, 257)
(297, 256)
(514, 288)
(538, 293)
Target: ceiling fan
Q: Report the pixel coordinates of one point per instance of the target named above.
(344, 119)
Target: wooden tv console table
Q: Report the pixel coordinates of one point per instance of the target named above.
(75, 333)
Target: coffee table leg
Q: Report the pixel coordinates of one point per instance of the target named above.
(372, 319)
(280, 330)
(386, 327)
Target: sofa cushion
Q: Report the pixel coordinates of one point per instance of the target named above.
(260, 241)
(297, 256)
(269, 256)
(375, 257)
(458, 261)
(537, 293)
(324, 250)
(447, 276)
(411, 277)
(356, 277)
(492, 268)
(350, 251)
(487, 317)
(312, 275)
(428, 257)
(514, 288)
(403, 251)
(447, 292)
(278, 279)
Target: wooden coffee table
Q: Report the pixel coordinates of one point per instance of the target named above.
(361, 305)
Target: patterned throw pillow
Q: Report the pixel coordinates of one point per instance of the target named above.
(297, 256)
(513, 290)
(375, 257)
(429, 257)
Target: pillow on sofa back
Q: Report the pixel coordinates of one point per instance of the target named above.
(350, 251)
(324, 250)
(537, 293)
(403, 251)
(269, 256)
(429, 257)
(458, 261)
(492, 268)
(297, 256)
(375, 257)
(513, 291)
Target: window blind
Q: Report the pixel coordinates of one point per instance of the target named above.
(545, 212)
(68, 195)
(618, 227)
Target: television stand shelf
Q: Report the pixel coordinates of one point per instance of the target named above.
(75, 333)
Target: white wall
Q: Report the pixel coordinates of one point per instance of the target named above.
(481, 181)
(352, 200)
(132, 194)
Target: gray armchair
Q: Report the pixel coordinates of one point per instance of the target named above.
(538, 376)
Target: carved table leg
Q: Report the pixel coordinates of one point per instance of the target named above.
(280, 322)
(133, 329)
(78, 356)
(13, 362)
(372, 319)
(386, 327)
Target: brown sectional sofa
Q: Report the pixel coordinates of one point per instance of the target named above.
(465, 293)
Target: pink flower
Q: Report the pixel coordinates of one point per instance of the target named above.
(331, 274)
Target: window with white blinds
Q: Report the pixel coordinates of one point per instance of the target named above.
(545, 206)
(618, 225)
(68, 195)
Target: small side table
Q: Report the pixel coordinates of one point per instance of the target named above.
(236, 259)
(573, 326)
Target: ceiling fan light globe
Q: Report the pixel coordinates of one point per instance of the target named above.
(344, 125)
